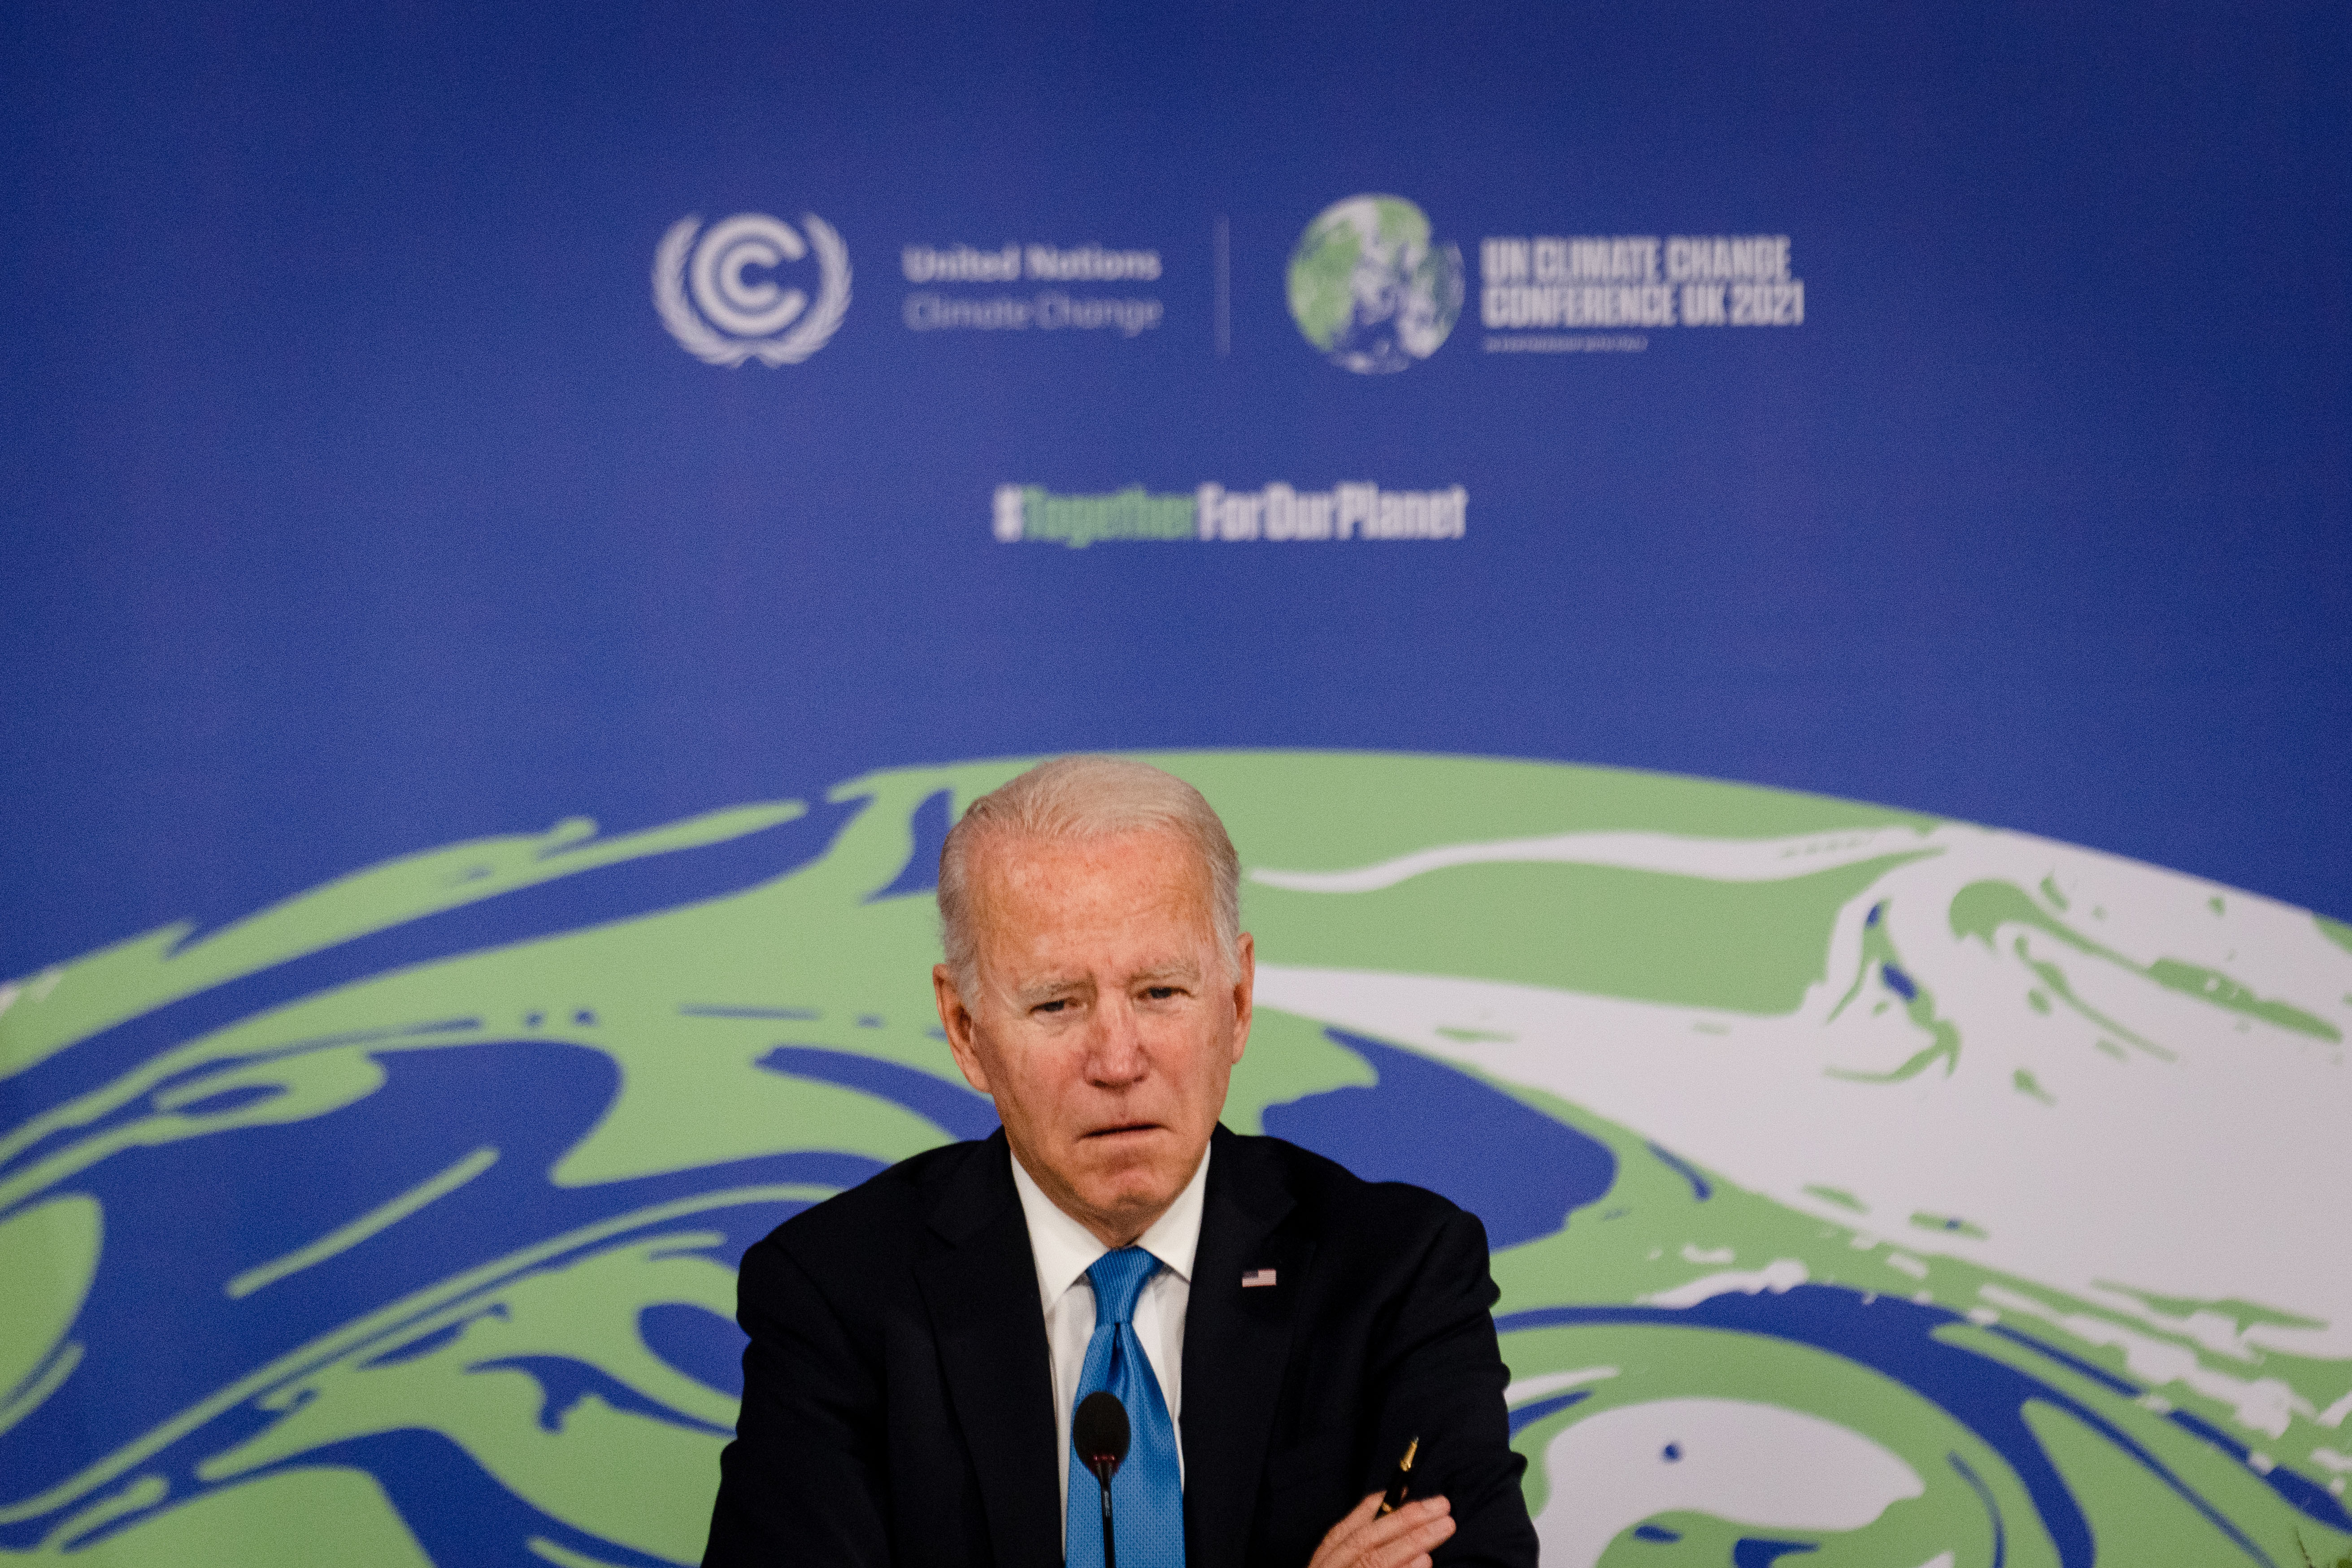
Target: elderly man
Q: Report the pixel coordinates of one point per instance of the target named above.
(1277, 1330)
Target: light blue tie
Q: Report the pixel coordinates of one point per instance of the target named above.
(1148, 1494)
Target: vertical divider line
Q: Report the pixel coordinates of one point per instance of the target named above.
(1222, 242)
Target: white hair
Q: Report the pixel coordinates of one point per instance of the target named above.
(1073, 799)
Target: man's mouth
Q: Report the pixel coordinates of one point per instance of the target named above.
(1123, 1128)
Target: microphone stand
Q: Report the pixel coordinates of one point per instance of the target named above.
(1110, 1542)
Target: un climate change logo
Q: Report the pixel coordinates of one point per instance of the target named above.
(733, 316)
(1369, 288)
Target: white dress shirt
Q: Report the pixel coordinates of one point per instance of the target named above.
(1064, 1250)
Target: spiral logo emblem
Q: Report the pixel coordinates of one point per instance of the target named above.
(721, 297)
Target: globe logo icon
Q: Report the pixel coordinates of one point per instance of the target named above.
(1369, 288)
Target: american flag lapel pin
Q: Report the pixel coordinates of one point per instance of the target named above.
(1256, 1277)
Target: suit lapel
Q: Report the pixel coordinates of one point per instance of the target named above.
(1236, 1342)
(981, 1294)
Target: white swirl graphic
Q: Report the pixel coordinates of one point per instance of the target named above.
(732, 317)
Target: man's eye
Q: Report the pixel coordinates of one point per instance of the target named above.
(1162, 993)
(1053, 1006)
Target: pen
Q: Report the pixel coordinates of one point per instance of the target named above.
(1395, 1497)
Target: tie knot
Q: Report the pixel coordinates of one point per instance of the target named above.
(1118, 1279)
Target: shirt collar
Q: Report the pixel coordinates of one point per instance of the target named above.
(1063, 1249)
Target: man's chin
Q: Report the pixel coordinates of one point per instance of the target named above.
(1138, 1179)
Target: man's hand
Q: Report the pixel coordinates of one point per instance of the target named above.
(1401, 1540)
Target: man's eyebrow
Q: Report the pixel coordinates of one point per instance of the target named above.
(1176, 969)
(1038, 991)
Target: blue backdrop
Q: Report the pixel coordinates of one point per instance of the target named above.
(426, 424)
(357, 500)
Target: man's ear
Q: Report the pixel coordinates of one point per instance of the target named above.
(955, 1018)
(1244, 991)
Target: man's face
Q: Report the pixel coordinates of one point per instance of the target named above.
(1107, 1024)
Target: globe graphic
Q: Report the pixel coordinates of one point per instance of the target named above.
(1369, 288)
(1817, 1143)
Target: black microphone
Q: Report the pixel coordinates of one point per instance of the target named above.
(1098, 1432)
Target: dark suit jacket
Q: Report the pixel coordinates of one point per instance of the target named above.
(898, 1395)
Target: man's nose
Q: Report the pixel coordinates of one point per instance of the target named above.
(1116, 1057)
